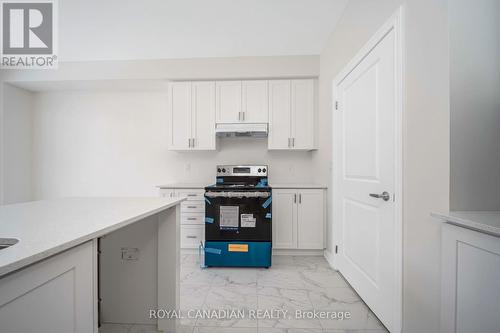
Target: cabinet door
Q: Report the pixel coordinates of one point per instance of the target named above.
(56, 295)
(279, 114)
(303, 114)
(228, 101)
(255, 101)
(203, 111)
(310, 219)
(180, 115)
(470, 300)
(284, 219)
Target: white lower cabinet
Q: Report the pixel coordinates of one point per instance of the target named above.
(298, 219)
(192, 215)
(470, 299)
(56, 295)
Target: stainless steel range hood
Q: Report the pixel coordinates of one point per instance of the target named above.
(241, 129)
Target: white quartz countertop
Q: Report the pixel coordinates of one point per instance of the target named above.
(186, 185)
(273, 185)
(297, 185)
(484, 221)
(47, 227)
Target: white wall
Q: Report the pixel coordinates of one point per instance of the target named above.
(475, 104)
(115, 144)
(16, 131)
(426, 140)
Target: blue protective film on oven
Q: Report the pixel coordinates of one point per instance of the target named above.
(213, 251)
(268, 215)
(207, 201)
(267, 202)
(220, 180)
(209, 220)
(262, 183)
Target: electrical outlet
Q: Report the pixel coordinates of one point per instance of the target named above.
(130, 253)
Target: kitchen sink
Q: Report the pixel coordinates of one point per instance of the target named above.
(7, 242)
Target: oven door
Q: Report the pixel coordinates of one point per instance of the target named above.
(238, 216)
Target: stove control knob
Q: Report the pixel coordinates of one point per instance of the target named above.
(259, 170)
(264, 170)
(223, 170)
(219, 170)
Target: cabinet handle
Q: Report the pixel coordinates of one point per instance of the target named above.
(193, 144)
(191, 195)
(243, 115)
(293, 142)
(191, 237)
(191, 218)
(289, 140)
(295, 198)
(300, 198)
(191, 206)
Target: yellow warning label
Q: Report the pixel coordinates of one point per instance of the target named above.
(237, 247)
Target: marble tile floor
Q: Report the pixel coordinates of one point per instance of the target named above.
(293, 283)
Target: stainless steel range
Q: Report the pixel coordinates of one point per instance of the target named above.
(238, 217)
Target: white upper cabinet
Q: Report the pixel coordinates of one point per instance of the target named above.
(242, 101)
(255, 101)
(280, 117)
(303, 114)
(192, 115)
(228, 101)
(180, 115)
(203, 113)
(292, 114)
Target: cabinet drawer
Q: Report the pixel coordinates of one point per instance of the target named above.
(193, 207)
(192, 235)
(193, 218)
(191, 194)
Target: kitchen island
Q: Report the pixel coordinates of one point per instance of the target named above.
(49, 279)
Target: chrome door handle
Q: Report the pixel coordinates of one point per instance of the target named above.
(385, 196)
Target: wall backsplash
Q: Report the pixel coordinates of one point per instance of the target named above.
(115, 144)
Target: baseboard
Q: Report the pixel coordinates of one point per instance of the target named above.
(296, 252)
(329, 258)
(276, 252)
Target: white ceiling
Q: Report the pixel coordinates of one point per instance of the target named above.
(125, 29)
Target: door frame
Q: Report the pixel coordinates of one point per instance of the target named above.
(396, 24)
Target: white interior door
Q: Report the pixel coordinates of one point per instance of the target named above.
(365, 166)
